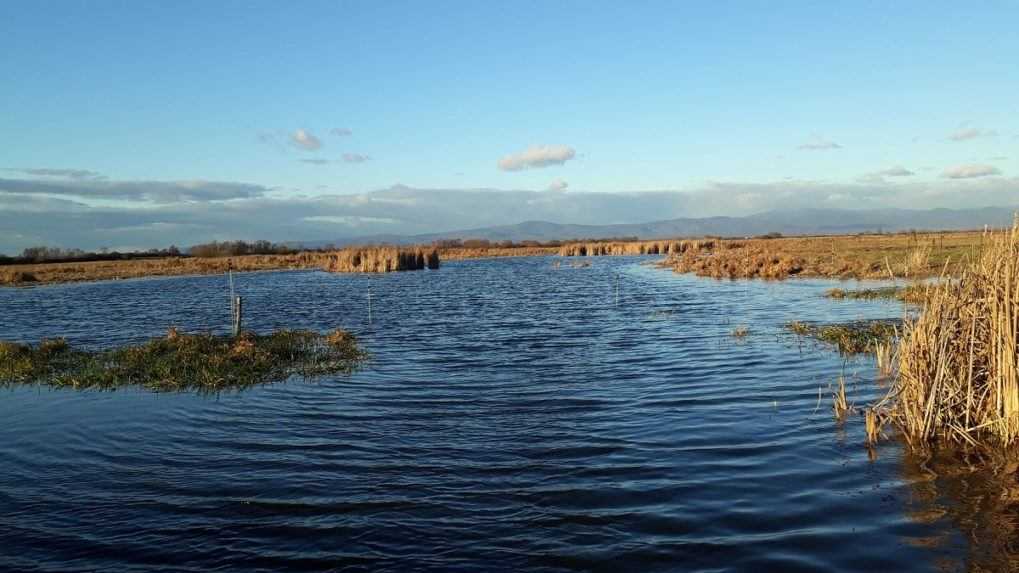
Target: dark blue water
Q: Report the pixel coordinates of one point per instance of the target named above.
(513, 417)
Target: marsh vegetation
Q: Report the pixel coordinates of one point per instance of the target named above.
(202, 363)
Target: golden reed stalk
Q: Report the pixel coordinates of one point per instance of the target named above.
(958, 371)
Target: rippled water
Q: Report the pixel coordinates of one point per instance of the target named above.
(513, 416)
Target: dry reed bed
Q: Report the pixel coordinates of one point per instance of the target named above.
(369, 259)
(958, 363)
(380, 260)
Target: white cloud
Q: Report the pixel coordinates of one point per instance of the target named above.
(968, 133)
(341, 131)
(558, 184)
(897, 171)
(818, 143)
(537, 156)
(970, 171)
(304, 139)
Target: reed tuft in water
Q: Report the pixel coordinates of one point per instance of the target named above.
(840, 404)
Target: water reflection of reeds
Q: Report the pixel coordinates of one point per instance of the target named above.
(978, 495)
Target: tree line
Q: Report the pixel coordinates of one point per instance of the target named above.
(43, 254)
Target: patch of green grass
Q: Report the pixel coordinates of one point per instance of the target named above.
(851, 337)
(179, 362)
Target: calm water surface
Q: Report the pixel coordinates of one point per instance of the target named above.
(513, 417)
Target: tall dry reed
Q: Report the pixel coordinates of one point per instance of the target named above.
(958, 366)
(381, 260)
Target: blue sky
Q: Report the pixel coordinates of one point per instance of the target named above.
(643, 96)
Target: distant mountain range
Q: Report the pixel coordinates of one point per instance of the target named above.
(791, 222)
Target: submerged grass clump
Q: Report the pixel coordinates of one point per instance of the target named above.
(183, 362)
(852, 337)
(911, 293)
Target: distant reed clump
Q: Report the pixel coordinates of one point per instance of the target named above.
(958, 363)
(182, 362)
(17, 277)
(381, 260)
(620, 248)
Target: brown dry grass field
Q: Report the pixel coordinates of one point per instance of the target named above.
(909, 255)
(354, 259)
(462, 253)
(373, 259)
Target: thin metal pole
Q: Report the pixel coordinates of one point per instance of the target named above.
(237, 316)
(369, 302)
(230, 273)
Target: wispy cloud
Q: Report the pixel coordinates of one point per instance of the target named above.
(341, 132)
(967, 133)
(53, 172)
(355, 158)
(345, 158)
(558, 184)
(305, 140)
(970, 171)
(537, 156)
(818, 143)
(159, 192)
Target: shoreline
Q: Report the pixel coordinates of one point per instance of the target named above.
(846, 257)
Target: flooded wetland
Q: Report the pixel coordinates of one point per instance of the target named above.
(512, 415)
